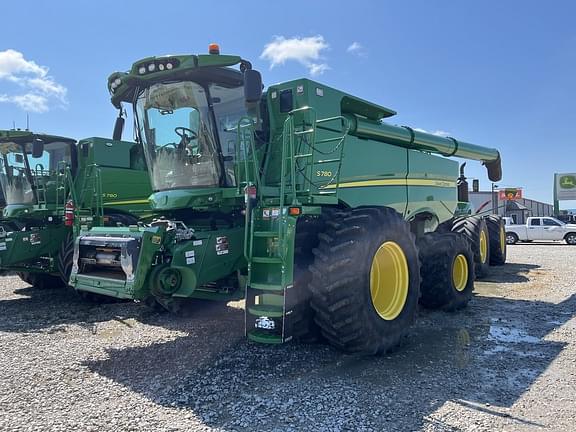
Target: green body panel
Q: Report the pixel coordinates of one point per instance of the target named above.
(209, 257)
(318, 147)
(35, 231)
(20, 247)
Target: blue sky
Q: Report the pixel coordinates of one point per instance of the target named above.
(499, 74)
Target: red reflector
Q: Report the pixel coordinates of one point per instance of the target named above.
(250, 191)
(294, 211)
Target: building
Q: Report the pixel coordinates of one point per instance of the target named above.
(519, 210)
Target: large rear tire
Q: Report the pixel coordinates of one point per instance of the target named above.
(447, 271)
(304, 327)
(497, 237)
(365, 280)
(475, 230)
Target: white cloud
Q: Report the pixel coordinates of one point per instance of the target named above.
(439, 133)
(356, 48)
(27, 102)
(38, 89)
(306, 51)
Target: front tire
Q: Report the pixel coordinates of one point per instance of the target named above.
(365, 280)
(570, 239)
(447, 271)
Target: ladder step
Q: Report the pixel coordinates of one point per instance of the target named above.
(299, 156)
(266, 287)
(265, 233)
(304, 132)
(271, 311)
(267, 260)
(327, 161)
(261, 337)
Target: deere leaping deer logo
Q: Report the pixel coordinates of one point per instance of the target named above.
(568, 182)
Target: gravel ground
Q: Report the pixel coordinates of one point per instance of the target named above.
(507, 362)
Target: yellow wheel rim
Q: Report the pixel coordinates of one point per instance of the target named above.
(502, 239)
(389, 280)
(460, 272)
(483, 246)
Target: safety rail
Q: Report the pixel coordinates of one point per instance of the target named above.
(246, 152)
(307, 135)
(90, 194)
(64, 186)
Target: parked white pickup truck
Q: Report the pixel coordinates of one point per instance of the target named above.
(541, 228)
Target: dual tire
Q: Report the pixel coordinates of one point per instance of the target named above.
(475, 230)
(447, 271)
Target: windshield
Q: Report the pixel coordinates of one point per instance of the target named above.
(28, 180)
(177, 128)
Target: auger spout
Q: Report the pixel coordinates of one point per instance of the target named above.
(405, 136)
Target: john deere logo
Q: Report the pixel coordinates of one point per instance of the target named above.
(568, 182)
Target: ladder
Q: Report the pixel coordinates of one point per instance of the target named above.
(271, 299)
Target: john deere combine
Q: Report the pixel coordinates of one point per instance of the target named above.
(53, 187)
(327, 220)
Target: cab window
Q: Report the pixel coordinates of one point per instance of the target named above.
(550, 222)
(535, 222)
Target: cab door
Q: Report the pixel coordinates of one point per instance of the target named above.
(552, 230)
(535, 229)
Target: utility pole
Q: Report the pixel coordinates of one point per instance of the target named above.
(494, 199)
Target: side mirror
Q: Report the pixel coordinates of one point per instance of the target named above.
(37, 148)
(252, 85)
(118, 128)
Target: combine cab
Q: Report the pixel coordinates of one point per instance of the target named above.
(54, 186)
(327, 220)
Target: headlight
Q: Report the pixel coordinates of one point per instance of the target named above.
(151, 67)
(169, 66)
(117, 82)
(142, 70)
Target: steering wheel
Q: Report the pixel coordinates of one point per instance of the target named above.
(169, 144)
(184, 132)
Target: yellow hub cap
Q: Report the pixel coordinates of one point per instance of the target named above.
(502, 239)
(460, 272)
(483, 246)
(389, 280)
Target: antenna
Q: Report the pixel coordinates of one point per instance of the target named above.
(13, 124)
(27, 122)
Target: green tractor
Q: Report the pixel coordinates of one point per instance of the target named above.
(54, 186)
(329, 222)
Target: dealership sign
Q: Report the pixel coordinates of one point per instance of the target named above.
(510, 194)
(565, 186)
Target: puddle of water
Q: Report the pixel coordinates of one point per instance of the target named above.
(499, 333)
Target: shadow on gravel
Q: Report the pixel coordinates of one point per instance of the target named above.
(485, 358)
(45, 309)
(511, 273)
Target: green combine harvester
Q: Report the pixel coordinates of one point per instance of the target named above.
(328, 221)
(53, 187)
